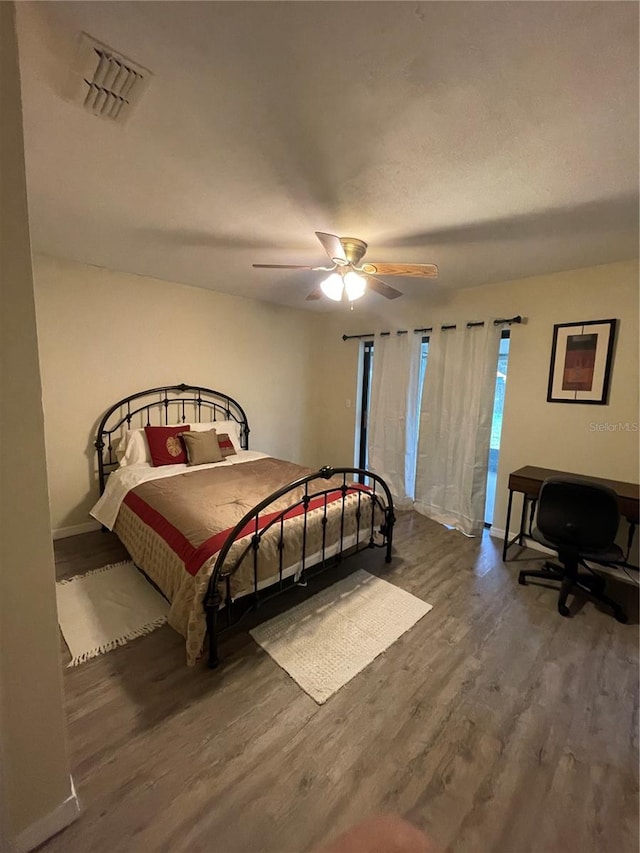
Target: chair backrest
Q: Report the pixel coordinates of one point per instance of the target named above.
(578, 514)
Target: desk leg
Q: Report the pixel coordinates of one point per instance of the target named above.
(506, 529)
(523, 517)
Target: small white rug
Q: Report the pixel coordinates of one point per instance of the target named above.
(106, 608)
(328, 639)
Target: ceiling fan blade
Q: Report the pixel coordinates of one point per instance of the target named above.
(414, 270)
(315, 294)
(333, 247)
(382, 287)
(284, 267)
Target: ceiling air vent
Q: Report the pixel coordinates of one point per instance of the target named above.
(105, 82)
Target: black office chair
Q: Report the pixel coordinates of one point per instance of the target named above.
(579, 519)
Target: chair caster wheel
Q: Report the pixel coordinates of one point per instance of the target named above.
(522, 580)
(621, 616)
(563, 610)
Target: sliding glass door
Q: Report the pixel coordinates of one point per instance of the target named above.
(496, 426)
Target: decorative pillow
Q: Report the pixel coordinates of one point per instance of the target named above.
(133, 448)
(226, 445)
(166, 445)
(232, 428)
(202, 447)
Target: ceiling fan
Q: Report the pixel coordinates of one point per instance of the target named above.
(349, 281)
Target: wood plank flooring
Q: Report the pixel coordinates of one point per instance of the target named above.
(494, 724)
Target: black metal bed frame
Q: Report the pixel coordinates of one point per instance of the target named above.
(253, 527)
(314, 488)
(169, 399)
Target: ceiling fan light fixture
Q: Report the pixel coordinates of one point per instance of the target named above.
(355, 285)
(333, 286)
(348, 280)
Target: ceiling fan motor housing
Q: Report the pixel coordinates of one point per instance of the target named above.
(354, 249)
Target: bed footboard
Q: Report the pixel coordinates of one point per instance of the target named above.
(323, 513)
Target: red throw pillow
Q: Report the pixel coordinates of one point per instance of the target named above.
(226, 445)
(165, 445)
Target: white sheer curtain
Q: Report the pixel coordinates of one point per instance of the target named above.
(393, 414)
(455, 426)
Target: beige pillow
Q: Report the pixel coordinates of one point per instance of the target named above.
(202, 447)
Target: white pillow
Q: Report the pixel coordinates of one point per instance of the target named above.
(134, 448)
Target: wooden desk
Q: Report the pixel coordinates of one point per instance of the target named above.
(529, 480)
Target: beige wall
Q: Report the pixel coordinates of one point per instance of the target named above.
(552, 435)
(35, 774)
(104, 335)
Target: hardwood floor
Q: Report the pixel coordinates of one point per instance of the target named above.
(494, 724)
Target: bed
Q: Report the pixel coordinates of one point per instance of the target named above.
(218, 538)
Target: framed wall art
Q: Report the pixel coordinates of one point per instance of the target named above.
(581, 356)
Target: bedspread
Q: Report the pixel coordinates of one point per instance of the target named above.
(174, 528)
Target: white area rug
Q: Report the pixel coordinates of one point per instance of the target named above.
(106, 608)
(328, 639)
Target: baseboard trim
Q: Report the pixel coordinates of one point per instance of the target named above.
(75, 530)
(50, 824)
(498, 533)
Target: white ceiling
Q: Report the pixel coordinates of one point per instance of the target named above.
(497, 140)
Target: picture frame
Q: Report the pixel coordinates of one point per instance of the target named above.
(581, 360)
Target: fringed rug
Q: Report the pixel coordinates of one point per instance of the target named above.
(106, 608)
(328, 639)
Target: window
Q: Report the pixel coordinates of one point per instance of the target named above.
(424, 354)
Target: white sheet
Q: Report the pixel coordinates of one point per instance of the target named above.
(122, 480)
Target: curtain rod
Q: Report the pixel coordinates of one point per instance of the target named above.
(517, 319)
(509, 320)
(358, 337)
(385, 334)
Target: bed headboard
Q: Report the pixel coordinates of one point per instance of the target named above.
(172, 404)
